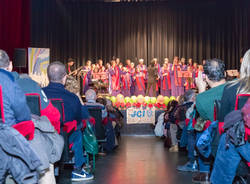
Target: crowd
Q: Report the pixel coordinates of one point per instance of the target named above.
(172, 79)
(212, 127)
(33, 143)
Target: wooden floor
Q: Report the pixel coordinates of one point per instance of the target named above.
(140, 160)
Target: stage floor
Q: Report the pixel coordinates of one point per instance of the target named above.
(140, 160)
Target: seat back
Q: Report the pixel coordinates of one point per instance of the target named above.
(66, 155)
(34, 103)
(241, 99)
(217, 108)
(58, 103)
(96, 113)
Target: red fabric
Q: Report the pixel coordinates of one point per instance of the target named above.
(69, 69)
(194, 122)
(125, 78)
(84, 80)
(248, 164)
(71, 145)
(207, 124)
(15, 25)
(26, 128)
(177, 79)
(187, 121)
(115, 79)
(105, 121)
(141, 85)
(53, 115)
(69, 126)
(221, 130)
(91, 120)
(247, 134)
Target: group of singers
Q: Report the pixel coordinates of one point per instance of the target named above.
(172, 79)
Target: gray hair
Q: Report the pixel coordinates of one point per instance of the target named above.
(189, 95)
(4, 59)
(56, 71)
(90, 95)
(245, 74)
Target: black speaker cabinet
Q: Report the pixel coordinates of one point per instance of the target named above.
(20, 57)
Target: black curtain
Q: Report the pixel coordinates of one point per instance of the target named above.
(197, 29)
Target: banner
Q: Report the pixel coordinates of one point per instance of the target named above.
(38, 60)
(140, 115)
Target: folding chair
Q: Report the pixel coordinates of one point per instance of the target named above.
(67, 128)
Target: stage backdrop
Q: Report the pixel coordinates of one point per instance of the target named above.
(38, 62)
(196, 29)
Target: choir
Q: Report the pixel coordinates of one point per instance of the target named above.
(172, 79)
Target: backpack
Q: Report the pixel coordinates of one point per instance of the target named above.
(234, 128)
(159, 126)
(236, 123)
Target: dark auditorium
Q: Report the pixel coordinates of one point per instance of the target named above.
(124, 92)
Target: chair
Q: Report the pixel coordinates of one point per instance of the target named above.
(66, 129)
(100, 132)
(239, 103)
(34, 103)
(67, 156)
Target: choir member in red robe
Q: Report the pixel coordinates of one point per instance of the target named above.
(189, 83)
(95, 74)
(128, 64)
(190, 62)
(86, 76)
(142, 68)
(132, 73)
(139, 79)
(100, 65)
(115, 73)
(126, 81)
(183, 68)
(175, 80)
(165, 80)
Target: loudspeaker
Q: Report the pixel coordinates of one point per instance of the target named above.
(20, 57)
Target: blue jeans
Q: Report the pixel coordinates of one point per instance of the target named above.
(191, 140)
(204, 163)
(110, 144)
(183, 141)
(227, 161)
(76, 139)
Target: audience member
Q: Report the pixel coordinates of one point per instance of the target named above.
(229, 154)
(15, 108)
(188, 133)
(215, 77)
(72, 108)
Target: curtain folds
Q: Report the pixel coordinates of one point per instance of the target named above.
(141, 30)
(14, 25)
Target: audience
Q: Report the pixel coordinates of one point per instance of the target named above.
(188, 121)
(17, 155)
(109, 130)
(72, 108)
(228, 154)
(90, 96)
(214, 70)
(15, 108)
